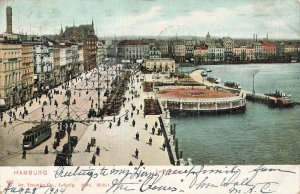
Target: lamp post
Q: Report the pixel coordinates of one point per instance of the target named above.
(68, 94)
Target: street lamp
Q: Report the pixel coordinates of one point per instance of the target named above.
(68, 102)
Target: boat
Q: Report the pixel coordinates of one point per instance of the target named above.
(280, 99)
(208, 70)
(233, 85)
(204, 73)
(214, 80)
(218, 80)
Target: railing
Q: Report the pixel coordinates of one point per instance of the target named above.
(168, 146)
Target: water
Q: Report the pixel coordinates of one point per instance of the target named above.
(262, 135)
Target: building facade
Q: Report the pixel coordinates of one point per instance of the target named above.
(10, 70)
(133, 50)
(164, 65)
(90, 52)
(27, 69)
(43, 66)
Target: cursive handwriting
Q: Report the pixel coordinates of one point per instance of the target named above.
(232, 178)
(90, 173)
(33, 190)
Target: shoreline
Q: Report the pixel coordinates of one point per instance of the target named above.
(213, 64)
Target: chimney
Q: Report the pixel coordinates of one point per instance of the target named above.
(8, 20)
(256, 37)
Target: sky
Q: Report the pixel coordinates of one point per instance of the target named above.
(280, 19)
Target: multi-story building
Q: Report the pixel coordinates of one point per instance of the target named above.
(86, 35)
(189, 49)
(290, 48)
(63, 61)
(75, 65)
(56, 64)
(250, 53)
(133, 50)
(164, 65)
(154, 52)
(178, 51)
(219, 52)
(80, 58)
(268, 48)
(163, 47)
(100, 52)
(257, 50)
(243, 52)
(228, 45)
(237, 52)
(10, 70)
(90, 51)
(43, 66)
(200, 53)
(27, 69)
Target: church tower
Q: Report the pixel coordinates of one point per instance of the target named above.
(208, 38)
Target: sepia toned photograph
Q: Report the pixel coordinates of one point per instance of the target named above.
(149, 82)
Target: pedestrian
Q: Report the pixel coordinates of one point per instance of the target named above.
(141, 106)
(74, 127)
(42, 109)
(110, 124)
(94, 159)
(130, 164)
(136, 153)
(24, 154)
(23, 115)
(137, 136)
(153, 130)
(55, 112)
(137, 111)
(98, 151)
(164, 146)
(156, 124)
(4, 123)
(119, 122)
(146, 126)
(141, 163)
(114, 119)
(39, 102)
(150, 141)
(133, 122)
(95, 127)
(46, 151)
(88, 149)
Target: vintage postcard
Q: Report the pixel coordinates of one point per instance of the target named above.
(196, 96)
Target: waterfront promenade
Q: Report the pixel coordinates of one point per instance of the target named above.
(117, 145)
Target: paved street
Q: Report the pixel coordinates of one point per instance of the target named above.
(117, 145)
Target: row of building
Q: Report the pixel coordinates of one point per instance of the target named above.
(30, 65)
(192, 50)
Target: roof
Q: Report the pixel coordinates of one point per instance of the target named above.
(267, 43)
(41, 126)
(194, 93)
(133, 42)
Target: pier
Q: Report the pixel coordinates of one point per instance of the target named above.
(250, 95)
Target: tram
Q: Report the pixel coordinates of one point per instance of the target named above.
(36, 135)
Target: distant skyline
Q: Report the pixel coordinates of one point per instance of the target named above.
(234, 18)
